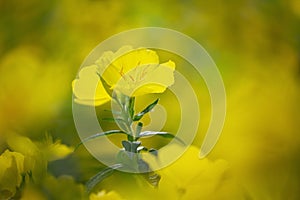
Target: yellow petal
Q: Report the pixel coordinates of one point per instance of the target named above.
(63, 187)
(54, 150)
(169, 64)
(21, 144)
(34, 160)
(57, 151)
(11, 169)
(190, 177)
(145, 79)
(124, 60)
(109, 72)
(88, 89)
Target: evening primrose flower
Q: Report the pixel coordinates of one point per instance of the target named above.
(133, 72)
(37, 155)
(54, 150)
(34, 161)
(63, 187)
(11, 172)
(189, 178)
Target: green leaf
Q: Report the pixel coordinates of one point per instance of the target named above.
(101, 176)
(143, 166)
(111, 111)
(112, 119)
(153, 152)
(131, 146)
(139, 128)
(124, 158)
(146, 110)
(111, 132)
(130, 138)
(131, 107)
(104, 83)
(141, 148)
(162, 134)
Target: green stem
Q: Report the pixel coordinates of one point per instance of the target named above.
(126, 105)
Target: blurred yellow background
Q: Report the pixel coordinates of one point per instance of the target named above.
(255, 44)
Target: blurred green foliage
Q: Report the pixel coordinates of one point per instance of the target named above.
(255, 44)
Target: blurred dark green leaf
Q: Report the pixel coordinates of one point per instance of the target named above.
(139, 116)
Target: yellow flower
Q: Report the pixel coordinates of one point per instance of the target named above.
(102, 195)
(11, 170)
(133, 72)
(37, 155)
(189, 177)
(54, 150)
(34, 161)
(136, 69)
(63, 187)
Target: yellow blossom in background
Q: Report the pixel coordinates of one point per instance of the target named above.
(63, 187)
(189, 177)
(103, 195)
(255, 46)
(11, 172)
(34, 160)
(31, 193)
(32, 89)
(28, 163)
(54, 150)
(133, 72)
(37, 155)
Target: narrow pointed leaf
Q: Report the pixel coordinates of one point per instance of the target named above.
(139, 128)
(101, 176)
(99, 135)
(161, 134)
(104, 83)
(141, 148)
(146, 110)
(153, 152)
(112, 111)
(143, 166)
(131, 107)
(112, 119)
(108, 119)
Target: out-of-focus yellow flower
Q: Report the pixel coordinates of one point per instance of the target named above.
(54, 150)
(33, 88)
(189, 177)
(37, 155)
(34, 160)
(102, 195)
(63, 187)
(31, 193)
(133, 72)
(11, 170)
